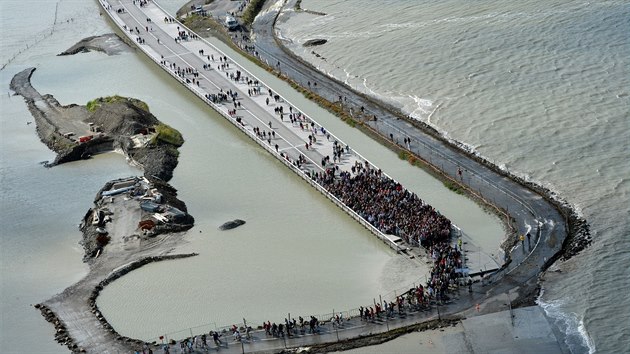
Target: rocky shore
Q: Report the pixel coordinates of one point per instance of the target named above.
(134, 220)
(108, 43)
(77, 132)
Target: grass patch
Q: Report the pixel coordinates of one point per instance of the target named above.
(172, 150)
(453, 187)
(166, 134)
(196, 20)
(252, 10)
(94, 104)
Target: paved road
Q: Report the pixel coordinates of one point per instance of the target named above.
(205, 70)
(156, 38)
(531, 212)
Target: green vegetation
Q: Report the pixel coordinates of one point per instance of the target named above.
(297, 5)
(453, 186)
(252, 10)
(166, 134)
(96, 103)
(192, 20)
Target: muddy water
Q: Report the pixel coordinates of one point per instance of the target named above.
(297, 253)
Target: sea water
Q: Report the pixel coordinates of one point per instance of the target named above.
(539, 88)
(297, 253)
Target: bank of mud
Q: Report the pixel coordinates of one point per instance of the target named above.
(297, 72)
(134, 221)
(575, 235)
(109, 43)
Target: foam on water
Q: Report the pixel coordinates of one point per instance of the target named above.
(539, 91)
(577, 338)
(208, 192)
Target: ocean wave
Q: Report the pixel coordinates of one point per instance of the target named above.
(577, 338)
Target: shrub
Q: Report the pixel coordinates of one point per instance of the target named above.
(453, 186)
(252, 11)
(96, 103)
(166, 134)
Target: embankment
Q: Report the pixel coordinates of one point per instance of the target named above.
(77, 132)
(134, 221)
(108, 43)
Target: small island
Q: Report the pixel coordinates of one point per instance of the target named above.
(134, 221)
(105, 124)
(109, 43)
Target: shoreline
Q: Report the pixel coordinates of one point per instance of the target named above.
(528, 277)
(578, 236)
(134, 220)
(393, 144)
(578, 230)
(581, 234)
(580, 226)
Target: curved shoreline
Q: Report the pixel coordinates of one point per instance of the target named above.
(61, 332)
(563, 246)
(577, 238)
(296, 71)
(565, 215)
(140, 234)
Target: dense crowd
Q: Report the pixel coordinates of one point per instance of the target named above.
(386, 205)
(378, 199)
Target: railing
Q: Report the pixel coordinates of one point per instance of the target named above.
(347, 314)
(253, 136)
(325, 320)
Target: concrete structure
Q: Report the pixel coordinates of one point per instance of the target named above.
(211, 74)
(156, 37)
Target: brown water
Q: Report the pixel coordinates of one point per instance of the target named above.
(297, 252)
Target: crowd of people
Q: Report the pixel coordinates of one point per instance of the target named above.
(386, 205)
(375, 197)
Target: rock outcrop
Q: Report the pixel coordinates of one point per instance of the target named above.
(314, 42)
(231, 224)
(109, 44)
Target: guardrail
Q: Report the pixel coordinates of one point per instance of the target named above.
(383, 237)
(324, 319)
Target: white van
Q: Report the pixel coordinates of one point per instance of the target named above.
(231, 23)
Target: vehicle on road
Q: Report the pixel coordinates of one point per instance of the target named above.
(231, 23)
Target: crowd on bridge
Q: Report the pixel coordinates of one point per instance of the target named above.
(386, 205)
(375, 197)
